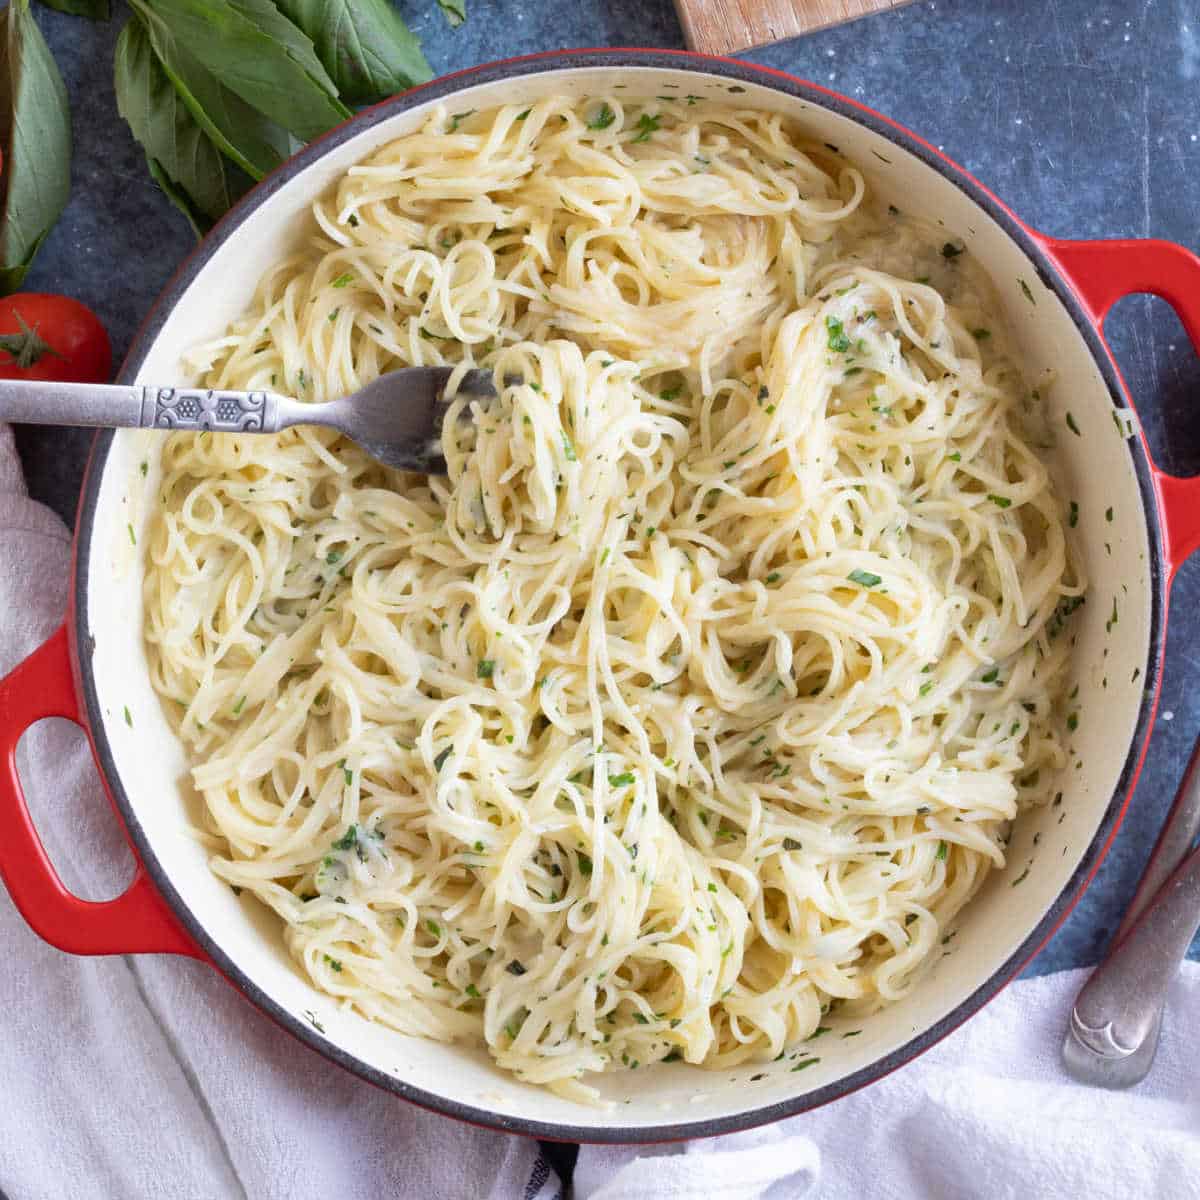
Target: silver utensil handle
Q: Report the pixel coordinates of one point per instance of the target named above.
(141, 407)
(1179, 831)
(1119, 1004)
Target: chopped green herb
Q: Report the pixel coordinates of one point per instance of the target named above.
(344, 280)
(1072, 426)
(459, 118)
(774, 577)
(1073, 722)
(646, 125)
(568, 448)
(603, 118)
(333, 962)
(955, 457)
(999, 501)
(433, 927)
(622, 780)
(981, 335)
(486, 668)
(585, 864)
(1028, 293)
(1073, 515)
(516, 967)
(808, 1062)
(237, 708)
(990, 676)
(942, 851)
(522, 116)
(472, 990)
(128, 717)
(132, 535)
(950, 250)
(838, 341)
(440, 761)
(1108, 515)
(867, 579)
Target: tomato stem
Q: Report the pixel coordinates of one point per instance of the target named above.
(26, 347)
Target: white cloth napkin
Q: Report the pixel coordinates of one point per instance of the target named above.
(988, 1113)
(126, 1078)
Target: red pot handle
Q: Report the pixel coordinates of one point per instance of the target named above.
(138, 920)
(1101, 273)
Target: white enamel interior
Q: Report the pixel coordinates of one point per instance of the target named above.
(1093, 468)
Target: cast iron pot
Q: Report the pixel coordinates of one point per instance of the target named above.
(1135, 526)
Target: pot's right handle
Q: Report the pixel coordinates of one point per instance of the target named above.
(138, 920)
(1101, 274)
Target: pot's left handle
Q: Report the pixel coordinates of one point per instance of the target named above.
(138, 920)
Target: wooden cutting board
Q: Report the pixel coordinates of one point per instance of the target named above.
(727, 26)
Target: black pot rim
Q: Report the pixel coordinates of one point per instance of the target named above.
(737, 73)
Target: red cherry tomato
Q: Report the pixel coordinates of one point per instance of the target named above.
(52, 337)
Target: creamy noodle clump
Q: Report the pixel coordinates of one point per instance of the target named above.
(701, 695)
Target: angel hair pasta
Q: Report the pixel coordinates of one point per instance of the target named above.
(700, 695)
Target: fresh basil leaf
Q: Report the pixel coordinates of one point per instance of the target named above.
(364, 45)
(269, 17)
(247, 137)
(455, 11)
(163, 126)
(195, 218)
(258, 54)
(36, 128)
(94, 10)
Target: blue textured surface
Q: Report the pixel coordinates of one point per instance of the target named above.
(1084, 116)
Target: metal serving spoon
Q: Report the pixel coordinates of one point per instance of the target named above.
(397, 419)
(1117, 1019)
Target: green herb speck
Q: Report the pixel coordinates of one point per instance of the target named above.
(602, 120)
(867, 579)
(646, 125)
